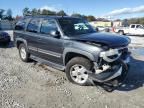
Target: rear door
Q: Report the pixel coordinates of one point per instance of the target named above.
(32, 35)
(50, 48)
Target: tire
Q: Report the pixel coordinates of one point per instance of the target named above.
(121, 32)
(23, 53)
(78, 76)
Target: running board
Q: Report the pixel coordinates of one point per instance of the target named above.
(56, 66)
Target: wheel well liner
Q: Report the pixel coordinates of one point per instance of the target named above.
(71, 55)
(121, 31)
(18, 43)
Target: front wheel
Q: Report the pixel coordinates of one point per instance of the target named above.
(76, 70)
(121, 33)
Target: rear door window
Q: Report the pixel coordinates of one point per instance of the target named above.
(47, 26)
(33, 25)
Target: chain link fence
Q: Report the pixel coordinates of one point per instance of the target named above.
(7, 25)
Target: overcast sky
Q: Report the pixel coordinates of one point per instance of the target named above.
(99, 8)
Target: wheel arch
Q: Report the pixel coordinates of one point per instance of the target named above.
(121, 31)
(20, 41)
(71, 53)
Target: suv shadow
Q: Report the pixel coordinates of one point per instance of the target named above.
(10, 45)
(135, 78)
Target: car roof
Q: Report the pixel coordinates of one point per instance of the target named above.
(136, 24)
(53, 17)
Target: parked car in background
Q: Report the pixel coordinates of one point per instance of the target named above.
(133, 29)
(72, 45)
(4, 38)
(102, 29)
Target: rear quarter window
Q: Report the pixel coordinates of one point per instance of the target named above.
(33, 25)
(21, 24)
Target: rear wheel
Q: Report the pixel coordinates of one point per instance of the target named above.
(76, 70)
(121, 32)
(24, 55)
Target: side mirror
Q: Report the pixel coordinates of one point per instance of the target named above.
(55, 33)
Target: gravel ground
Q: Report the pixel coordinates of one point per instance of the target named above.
(32, 85)
(137, 41)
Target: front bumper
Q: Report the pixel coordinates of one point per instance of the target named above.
(106, 76)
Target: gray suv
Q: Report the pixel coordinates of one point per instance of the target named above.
(72, 45)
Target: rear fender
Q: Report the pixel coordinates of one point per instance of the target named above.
(20, 40)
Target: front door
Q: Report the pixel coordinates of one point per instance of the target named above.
(139, 30)
(50, 48)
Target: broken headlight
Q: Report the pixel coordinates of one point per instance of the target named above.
(110, 55)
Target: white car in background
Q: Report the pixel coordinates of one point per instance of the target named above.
(101, 29)
(133, 29)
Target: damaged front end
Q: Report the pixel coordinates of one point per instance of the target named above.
(112, 66)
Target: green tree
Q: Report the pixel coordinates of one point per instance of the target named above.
(51, 12)
(91, 18)
(125, 23)
(141, 21)
(61, 13)
(34, 12)
(84, 16)
(39, 12)
(9, 14)
(26, 11)
(48, 12)
(45, 12)
(1, 13)
(76, 15)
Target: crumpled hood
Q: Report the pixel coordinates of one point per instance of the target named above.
(108, 39)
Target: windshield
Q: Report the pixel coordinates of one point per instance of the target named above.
(140, 26)
(75, 26)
